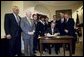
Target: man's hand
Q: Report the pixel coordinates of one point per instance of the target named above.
(66, 30)
(48, 34)
(45, 34)
(57, 34)
(33, 31)
(8, 36)
(30, 33)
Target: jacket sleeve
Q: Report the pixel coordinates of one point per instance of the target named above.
(71, 24)
(7, 24)
(23, 26)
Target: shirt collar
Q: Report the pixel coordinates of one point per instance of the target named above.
(14, 14)
(41, 21)
(67, 19)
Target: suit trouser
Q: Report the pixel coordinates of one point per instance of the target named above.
(57, 47)
(14, 46)
(28, 47)
(74, 42)
(73, 45)
(35, 43)
(48, 47)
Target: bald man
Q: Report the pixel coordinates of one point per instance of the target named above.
(13, 31)
(28, 29)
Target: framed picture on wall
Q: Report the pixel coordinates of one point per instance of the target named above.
(68, 11)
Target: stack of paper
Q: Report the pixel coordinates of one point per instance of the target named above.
(49, 35)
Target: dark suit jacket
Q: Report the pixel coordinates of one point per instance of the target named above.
(40, 29)
(56, 23)
(11, 26)
(49, 30)
(69, 25)
(61, 27)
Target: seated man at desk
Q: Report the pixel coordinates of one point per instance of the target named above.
(53, 31)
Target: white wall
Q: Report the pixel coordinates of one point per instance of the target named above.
(42, 10)
(5, 8)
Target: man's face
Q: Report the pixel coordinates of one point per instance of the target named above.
(61, 15)
(16, 10)
(54, 17)
(28, 14)
(52, 25)
(66, 16)
(42, 19)
(35, 17)
(46, 19)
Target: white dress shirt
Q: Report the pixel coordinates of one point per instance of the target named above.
(29, 20)
(67, 19)
(62, 20)
(52, 30)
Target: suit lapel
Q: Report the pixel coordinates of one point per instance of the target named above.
(28, 22)
(14, 19)
(50, 31)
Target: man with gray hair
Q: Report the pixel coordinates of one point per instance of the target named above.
(13, 31)
(27, 26)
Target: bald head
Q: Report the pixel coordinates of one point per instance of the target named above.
(28, 14)
(62, 15)
(15, 10)
(66, 16)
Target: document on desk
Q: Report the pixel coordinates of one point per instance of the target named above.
(49, 35)
(55, 35)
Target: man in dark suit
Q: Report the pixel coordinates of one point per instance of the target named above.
(35, 40)
(41, 26)
(40, 29)
(47, 23)
(69, 30)
(52, 30)
(55, 20)
(61, 24)
(13, 32)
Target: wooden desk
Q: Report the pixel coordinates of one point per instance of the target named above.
(60, 39)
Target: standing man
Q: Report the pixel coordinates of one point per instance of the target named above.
(41, 26)
(54, 20)
(69, 30)
(27, 26)
(61, 24)
(35, 40)
(13, 32)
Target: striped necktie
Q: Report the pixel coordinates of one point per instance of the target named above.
(18, 20)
